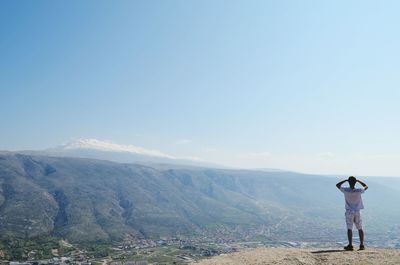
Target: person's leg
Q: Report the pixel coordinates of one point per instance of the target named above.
(358, 222)
(350, 236)
(361, 234)
(349, 223)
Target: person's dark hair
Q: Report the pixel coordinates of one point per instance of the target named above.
(352, 181)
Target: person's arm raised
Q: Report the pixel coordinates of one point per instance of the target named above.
(365, 186)
(340, 184)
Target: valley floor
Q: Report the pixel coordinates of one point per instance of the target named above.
(289, 256)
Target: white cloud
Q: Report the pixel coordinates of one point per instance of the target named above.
(184, 141)
(254, 155)
(325, 155)
(209, 149)
(194, 158)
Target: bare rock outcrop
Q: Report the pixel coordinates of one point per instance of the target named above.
(291, 256)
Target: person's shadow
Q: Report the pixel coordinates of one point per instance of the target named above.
(327, 251)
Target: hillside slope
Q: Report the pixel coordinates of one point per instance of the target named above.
(290, 256)
(93, 200)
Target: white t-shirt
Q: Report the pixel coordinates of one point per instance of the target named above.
(353, 198)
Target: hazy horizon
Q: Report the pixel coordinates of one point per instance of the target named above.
(304, 86)
(107, 145)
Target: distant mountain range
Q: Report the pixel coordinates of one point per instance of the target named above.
(89, 200)
(106, 150)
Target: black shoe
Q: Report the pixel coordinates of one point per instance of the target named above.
(349, 248)
(361, 247)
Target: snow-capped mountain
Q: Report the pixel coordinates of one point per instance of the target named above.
(107, 150)
(108, 146)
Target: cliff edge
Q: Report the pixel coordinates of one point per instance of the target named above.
(290, 256)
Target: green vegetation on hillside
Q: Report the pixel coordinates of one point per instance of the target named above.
(93, 201)
(18, 248)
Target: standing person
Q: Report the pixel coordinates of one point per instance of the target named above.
(353, 204)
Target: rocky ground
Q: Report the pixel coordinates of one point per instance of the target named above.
(291, 256)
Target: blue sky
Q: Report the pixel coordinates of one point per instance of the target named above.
(311, 86)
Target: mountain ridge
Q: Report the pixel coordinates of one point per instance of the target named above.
(87, 200)
(107, 150)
